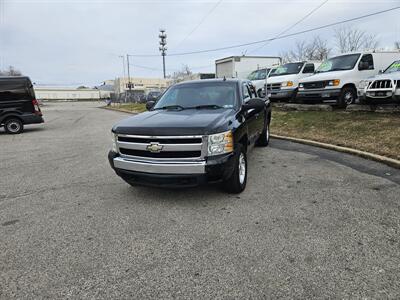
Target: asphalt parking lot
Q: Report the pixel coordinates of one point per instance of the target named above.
(312, 223)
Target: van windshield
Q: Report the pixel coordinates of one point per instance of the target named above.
(338, 63)
(258, 74)
(394, 67)
(199, 95)
(287, 69)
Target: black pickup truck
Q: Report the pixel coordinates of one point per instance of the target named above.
(197, 132)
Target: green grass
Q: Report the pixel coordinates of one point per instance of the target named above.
(373, 132)
(133, 107)
(130, 107)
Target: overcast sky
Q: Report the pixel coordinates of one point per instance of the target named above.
(71, 42)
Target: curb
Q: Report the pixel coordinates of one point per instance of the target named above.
(379, 158)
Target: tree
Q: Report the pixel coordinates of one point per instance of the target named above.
(10, 71)
(316, 49)
(352, 39)
(181, 74)
(397, 45)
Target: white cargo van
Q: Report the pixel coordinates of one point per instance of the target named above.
(258, 78)
(283, 83)
(337, 78)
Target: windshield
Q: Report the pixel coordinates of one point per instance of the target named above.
(208, 95)
(258, 74)
(287, 69)
(338, 63)
(394, 67)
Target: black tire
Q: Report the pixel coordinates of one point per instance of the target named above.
(13, 126)
(237, 182)
(292, 98)
(263, 140)
(347, 96)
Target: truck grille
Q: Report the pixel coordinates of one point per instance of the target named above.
(381, 84)
(162, 154)
(273, 86)
(162, 147)
(160, 140)
(314, 85)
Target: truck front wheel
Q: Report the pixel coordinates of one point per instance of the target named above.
(347, 96)
(236, 183)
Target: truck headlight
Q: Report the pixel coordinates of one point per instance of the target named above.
(301, 85)
(362, 84)
(287, 83)
(334, 82)
(114, 142)
(220, 143)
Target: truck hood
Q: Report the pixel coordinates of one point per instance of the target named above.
(279, 79)
(177, 122)
(392, 76)
(325, 76)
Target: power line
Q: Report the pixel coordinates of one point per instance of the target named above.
(199, 24)
(275, 38)
(292, 26)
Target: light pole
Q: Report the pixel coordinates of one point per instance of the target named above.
(123, 69)
(163, 48)
(129, 76)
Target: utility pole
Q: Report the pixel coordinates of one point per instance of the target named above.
(163, 48)
(129, 75)
(123, 74)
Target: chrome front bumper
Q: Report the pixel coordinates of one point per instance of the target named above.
(161, 167)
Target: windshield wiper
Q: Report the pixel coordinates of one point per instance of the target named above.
(171, 107)
(210, 106)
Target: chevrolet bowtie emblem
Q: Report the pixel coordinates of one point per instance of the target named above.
(154, 147)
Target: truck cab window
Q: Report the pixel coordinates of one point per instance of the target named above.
(246, 92)
(309, 68)
(366, 62)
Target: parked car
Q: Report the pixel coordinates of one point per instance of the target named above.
(258, 78)
(384, 87)
(283, 83)
(18, 104)
(197, 132)
(337, 78)
(152, 95)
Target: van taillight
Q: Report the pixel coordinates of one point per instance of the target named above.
(35, 104)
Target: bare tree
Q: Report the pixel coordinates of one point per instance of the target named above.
(352, 39)
(10, 71)
(182, 74)
(316, 49)
(397, 45)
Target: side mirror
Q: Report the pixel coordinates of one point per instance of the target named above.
(381, 71)
(150, 104)
(255, 103)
